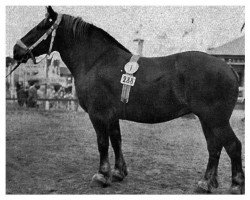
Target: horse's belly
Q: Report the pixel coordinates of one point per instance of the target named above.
(145, 114)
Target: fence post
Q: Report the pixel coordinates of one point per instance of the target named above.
(46, 84)
(140, 45)
(12, 84)
(73, 103)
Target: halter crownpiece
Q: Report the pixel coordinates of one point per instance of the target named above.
(52, 30)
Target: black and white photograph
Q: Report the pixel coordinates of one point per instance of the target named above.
(124, 99)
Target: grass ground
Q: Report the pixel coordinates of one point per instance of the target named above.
(55, 152)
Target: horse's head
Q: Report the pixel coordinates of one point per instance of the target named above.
(39, 40)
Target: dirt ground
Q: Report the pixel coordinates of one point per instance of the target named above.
(55, 152)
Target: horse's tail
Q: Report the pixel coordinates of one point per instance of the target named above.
(236, 74)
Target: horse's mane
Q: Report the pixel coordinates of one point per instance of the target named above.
(81, 30)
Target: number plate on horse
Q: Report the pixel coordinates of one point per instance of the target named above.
(128, 79)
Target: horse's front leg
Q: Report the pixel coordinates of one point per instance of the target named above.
(120, 170)
(103, 177)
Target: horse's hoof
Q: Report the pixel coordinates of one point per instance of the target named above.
(98, 180)
(237, 189)
(116, 175)
(203, 187)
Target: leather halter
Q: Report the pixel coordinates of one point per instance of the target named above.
(52, 30)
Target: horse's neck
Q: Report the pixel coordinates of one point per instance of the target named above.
(81, 57)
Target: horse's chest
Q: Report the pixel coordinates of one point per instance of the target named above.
(82, 94)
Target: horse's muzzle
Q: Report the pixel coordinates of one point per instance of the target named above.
(22, 55)
(19, 54)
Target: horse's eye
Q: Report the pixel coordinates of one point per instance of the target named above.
(46, 23)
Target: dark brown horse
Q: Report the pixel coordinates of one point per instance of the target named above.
(165, 88)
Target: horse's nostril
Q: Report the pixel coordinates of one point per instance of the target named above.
(15, 52)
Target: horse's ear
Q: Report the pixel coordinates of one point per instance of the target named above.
(51, 13)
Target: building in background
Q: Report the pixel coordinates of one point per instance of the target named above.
(30, 73)
(10, 80)
(234, 54)
(66, 75)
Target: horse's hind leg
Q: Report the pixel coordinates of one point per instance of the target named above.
(120, 169)
(233, 148)
(217, 137)
(214, 147)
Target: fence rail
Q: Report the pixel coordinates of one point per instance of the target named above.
(239, 100)
(66, 103)
(66, 99)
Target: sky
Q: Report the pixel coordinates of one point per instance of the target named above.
(165, 29)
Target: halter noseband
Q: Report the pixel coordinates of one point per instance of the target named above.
(52, 30)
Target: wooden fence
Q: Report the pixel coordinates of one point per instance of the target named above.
(65, 103)
(240, 103)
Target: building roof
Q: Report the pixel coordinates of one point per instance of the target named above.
(234, 47)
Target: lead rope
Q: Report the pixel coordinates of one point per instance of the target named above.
(13, 69)
(52, 41)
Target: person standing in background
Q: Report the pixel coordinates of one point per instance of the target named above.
(32, 96)
(22, 96)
